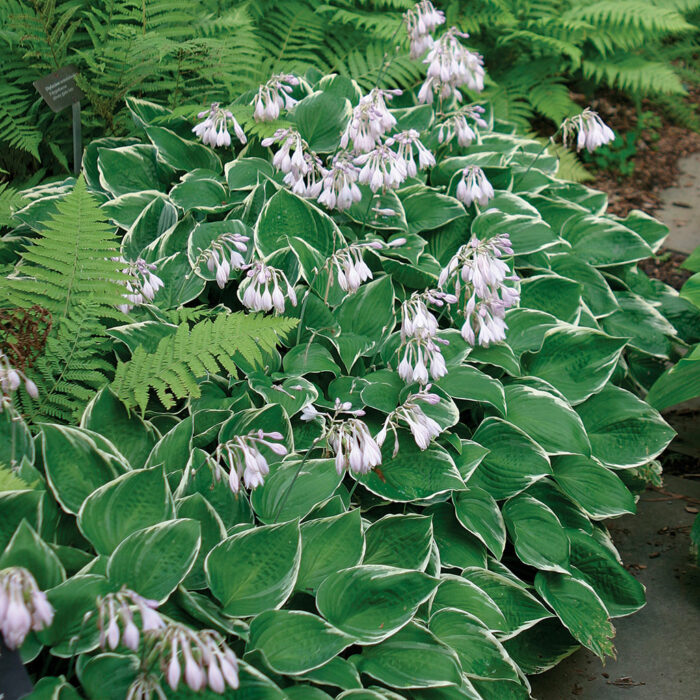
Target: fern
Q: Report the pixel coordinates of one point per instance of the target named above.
(70, 263)
(71, 369)
(10, 201)
(190, 353)
(10, 481)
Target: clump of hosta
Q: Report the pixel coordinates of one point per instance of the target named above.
(11, 378)
(23, 606)
(348, 437)
(240, 459)
(474, 186)
(411, 414)
(213, 131)
(456, 125)
(421, 21)
(142, 283)
(117, 622)
(265, 288)
(589, 130)
(274, 96)
(480, 279)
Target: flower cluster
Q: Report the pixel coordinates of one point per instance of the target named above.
(421, 21)
(406, 141)
(261, 290)
(348, 438)
(590, 129)
(117, 609)
(243, 458)
(340, 190)
(351, 270)
(451, 66)
(423, 428)
(274, 96)
(474, 186)
(10, 380)
(370, 120)
(479, 275)
(214, 129)
(422, 357)
(141, 285)
(23, 606)
(457, 125)
(224, 255)
(303, 169)
(200, 658)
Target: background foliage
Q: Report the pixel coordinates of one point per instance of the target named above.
(185, 54)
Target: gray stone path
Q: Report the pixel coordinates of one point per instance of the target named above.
(680, 209)
(658, 648)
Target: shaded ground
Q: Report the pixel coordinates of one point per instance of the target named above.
(658, 647)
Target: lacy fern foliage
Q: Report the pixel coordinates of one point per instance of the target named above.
(190, 353)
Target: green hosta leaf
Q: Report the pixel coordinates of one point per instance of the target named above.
(621, 593)
(480, 653)
(179, 285)
(337, 672)
(479, 513)
(269, 418)
(594, 287)
(599, 491)
(295, 642)
(542, 646)
(547, 419)
(514, 460)
(315, 484)
(50, 688)
(576, 361)
(469, 457)
(133, 501)
(15, 440)
(28, 550)
(286, 216)
(370, 311)
(321, 118)
(399, 540)
(427, 210)
(470, 384)
(75, 464)
(201, 194)
(153, 222)
(329, 545)
(624, 431)
(125, 209)
(457, 547)
(411, 658)
(180, 154)
(383, 390)
(602, 242)
(17, 506)
(497, 355)
(461, 594)
(679, 383)
(70, 634)
(155, 560)
(120, 669)
(196, 507)
(508, 213)
(519, 607)
(537, 534)
(308, 358)
(568, 512)
(129, 169)
(201, 238)
(382, 211)
(527, 329)
(255, 570)
(246, 173)
(370, 603)
(579, 608)
(639, 321)
(691, 289)
(552, 294)
(412, 474)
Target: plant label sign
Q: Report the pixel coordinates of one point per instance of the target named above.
(59, 89)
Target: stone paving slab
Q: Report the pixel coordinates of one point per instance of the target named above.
(658, 648)
(680, 209)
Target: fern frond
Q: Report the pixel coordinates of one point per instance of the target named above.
(10, 201)
(70, 262)
(189, 354)
(10, 481)
(635, 74)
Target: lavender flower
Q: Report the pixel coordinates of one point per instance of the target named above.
(351, 270)
(407, 140)
(340, 190)
(591, 130)
(423, 428)
(422, 358)
(274, 96)
(457, 125)
(474, 186)
(224, 255)
(382, 168)
(117, 610)
(421, 21)
(261, 290)
(10, 380)
(142, 284)
(213, 131)
(244, 460)
(370, 120)
(23, 606)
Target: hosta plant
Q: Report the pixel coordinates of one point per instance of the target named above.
(331, 406)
